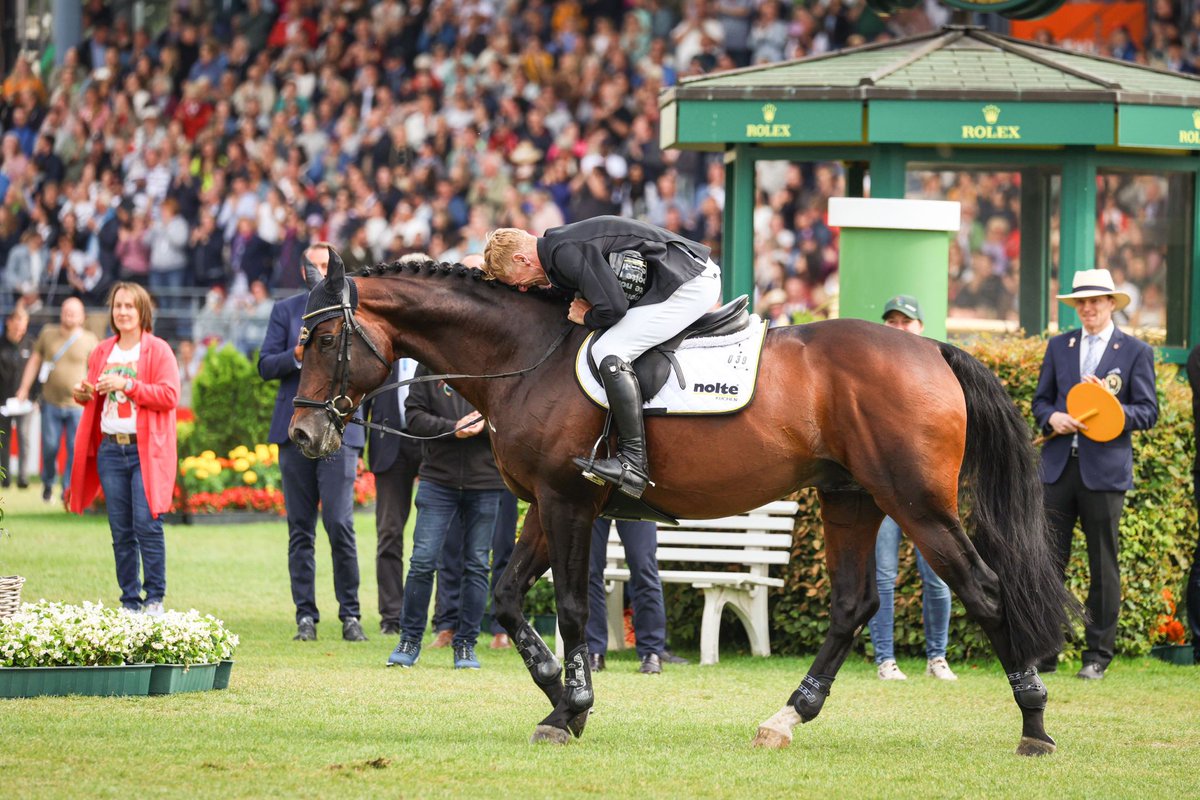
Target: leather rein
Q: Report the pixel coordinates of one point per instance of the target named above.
(341, 377)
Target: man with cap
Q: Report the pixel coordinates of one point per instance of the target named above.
(1086, 480)
(903, 312)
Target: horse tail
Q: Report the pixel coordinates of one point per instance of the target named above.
(1007, 513)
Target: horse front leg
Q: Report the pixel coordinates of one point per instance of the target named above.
(530, 560)
(851, 525)
(568, 527)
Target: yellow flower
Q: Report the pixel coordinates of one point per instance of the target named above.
(238, 452)
(251, 459)
(200, 474)
(250, 476)
(262, 452)
(274, 448)
(208, 455)
(241, 465)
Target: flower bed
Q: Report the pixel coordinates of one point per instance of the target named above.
(55, 649)
(247, 480)
(49, 634)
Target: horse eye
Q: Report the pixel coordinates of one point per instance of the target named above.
(326, 341)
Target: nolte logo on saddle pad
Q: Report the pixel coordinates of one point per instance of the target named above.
(768, 128)
(718, 389)
(991, 115)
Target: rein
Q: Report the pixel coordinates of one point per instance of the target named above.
(449, 376)
(341, 376)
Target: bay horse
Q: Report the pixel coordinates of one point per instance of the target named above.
(879, 421)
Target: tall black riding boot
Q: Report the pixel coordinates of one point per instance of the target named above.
(628, 471)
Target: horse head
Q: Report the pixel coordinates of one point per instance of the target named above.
(345, 354)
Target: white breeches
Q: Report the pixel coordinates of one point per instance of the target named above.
(643, 327)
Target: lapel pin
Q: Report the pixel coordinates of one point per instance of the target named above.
(1071, 342)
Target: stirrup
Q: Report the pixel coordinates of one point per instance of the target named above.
(630, 480)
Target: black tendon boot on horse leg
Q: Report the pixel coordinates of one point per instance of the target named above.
(629, 470)
(578, 696)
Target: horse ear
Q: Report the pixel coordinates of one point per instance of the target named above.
(312, 275)
(336, 270)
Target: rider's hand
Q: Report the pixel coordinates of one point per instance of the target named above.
(1062, 422)
(579, 307)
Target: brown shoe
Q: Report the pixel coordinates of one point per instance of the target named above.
(500, 642)
(443, 639)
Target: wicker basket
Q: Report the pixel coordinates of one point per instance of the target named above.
(10, 594)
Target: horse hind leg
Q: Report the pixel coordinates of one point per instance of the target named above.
(851, 526)
(528, 563)
(954, 558)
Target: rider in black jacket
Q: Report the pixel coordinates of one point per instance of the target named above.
(639, 283)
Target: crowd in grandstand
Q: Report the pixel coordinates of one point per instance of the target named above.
(199, 159)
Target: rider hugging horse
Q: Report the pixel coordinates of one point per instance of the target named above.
(829, 411)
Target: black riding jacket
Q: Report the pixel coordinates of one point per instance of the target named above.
(433, 408)
(575, 257)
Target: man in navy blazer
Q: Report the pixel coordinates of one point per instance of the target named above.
(1086, 480)
(307, 482)
(394, 460)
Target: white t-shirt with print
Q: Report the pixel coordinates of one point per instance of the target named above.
(119, 412)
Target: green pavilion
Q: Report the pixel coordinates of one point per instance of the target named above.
(966, 99)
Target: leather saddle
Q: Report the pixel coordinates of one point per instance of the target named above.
(654, 366)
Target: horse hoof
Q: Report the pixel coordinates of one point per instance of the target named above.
(1034, 747)
(771, 739)
(551, 734)
(575, 725)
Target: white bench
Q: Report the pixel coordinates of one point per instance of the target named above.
(754, 540)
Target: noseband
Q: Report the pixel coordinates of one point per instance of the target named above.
(341, 375)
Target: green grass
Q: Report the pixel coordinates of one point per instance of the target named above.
(328, 720)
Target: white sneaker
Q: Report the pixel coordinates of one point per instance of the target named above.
(153, 609)
(938, 668)
(888, 671)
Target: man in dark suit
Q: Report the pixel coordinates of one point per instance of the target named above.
(306, 482)
(1086, 480)
(394, 460)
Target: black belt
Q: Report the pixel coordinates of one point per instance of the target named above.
(119, 438)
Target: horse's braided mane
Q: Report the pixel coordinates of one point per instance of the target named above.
(419, 264)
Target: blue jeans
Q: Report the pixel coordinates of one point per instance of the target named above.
(135, 531)
(935, 600)
(57, 420)
(449, 585)
(438, 507)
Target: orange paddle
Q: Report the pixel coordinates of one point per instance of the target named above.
(1093, 404)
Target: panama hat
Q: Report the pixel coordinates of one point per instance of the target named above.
(1094, 283)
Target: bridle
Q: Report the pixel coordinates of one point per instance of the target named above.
(341, 375)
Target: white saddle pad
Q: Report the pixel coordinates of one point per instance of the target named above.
(719, 374)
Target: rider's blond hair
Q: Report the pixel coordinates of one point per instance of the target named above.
(502, 245)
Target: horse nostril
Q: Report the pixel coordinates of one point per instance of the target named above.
(300, 436)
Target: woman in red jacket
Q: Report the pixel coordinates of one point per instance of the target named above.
(126, 443)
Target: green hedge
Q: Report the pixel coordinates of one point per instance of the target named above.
(233, 405)
(1157, 531)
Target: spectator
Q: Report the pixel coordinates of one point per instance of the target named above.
(1193, 585)
(1086, 481)
(458, 477)
(15, 349)
(640, 542)
(903, 312)
(58, 363)
(327, 483)
(126, 444)
(394, 461)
